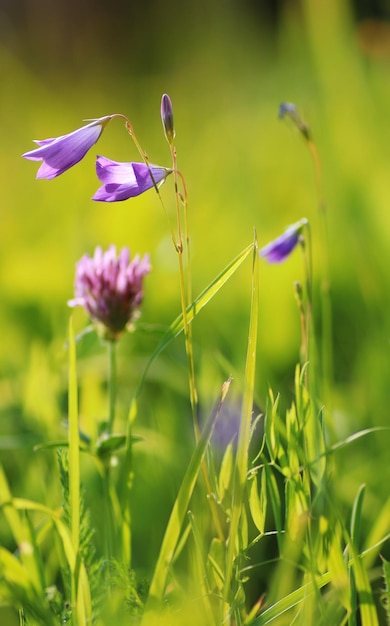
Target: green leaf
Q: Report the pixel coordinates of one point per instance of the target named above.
(225, 474)
(193, 309)
(110, 443)
(179, 511)
(257, 503)
(386, 576)
(241, 468)
(288, 602)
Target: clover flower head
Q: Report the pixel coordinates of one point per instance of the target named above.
(122, 181)
(167, 118)
(61, 153)
(110, 288)
(279, 249)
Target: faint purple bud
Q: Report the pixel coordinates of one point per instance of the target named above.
(167, 118)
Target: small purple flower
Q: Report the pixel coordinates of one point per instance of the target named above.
(167, 118)
(61, 153)
(126, 180)
(288, 109)
(279, 249)
(110, 288)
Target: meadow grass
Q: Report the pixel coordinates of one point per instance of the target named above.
(317, 571)
(270, 508)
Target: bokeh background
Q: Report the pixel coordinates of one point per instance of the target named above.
(226, 66)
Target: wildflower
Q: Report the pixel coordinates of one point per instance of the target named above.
(279, 249)
(289, 109)
(126, 180)
(167, 118)
(61, 153)
(110, 288)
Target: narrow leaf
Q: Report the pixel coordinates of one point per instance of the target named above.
(179, 511)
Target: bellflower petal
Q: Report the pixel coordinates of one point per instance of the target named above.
(279, 249)
(122, 181)
(110, 288)
(61, 153)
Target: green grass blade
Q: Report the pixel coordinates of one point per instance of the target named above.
(81, 607)
(173, 331)
(193, 309)
(178, 514)
(367, 609)
(241, 468)
(386, 576)
(22, 534)
(289, 601)
(17, 589)
(357, 516)
(74, 443)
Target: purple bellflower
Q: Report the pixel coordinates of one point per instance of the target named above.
(61, 153)
(126, 180)
(279, 249)
(110, 289)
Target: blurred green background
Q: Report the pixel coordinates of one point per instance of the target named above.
(226, 66)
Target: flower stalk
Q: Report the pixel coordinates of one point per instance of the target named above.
(112, 373)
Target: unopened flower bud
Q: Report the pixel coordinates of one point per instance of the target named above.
(167, 118)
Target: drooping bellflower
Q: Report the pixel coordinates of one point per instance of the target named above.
(110, 288)
(126, 180)
(61, 153)
(279, 249)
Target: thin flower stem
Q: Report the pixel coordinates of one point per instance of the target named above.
(185, 279)
(145, 159)
(108, 532)
(111, 385)
(186, 291)
(326, 305)
(186, 299)
(309, 344)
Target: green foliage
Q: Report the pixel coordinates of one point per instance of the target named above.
(288, 521)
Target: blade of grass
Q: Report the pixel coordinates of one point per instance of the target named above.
(74, 443)
(173, 331)
(289, 601)
(17, 588)
(81, 609)
(193, 309)
(241, 468)
(84, 599)
(21, 533)
(298, 595)
(368, 613)
(178, 514)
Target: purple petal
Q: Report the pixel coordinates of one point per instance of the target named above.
(109, 171)
(60, 153)
(122, 181)
(110, 288)
(279, 249)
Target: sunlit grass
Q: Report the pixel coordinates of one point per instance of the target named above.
(244, 168)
